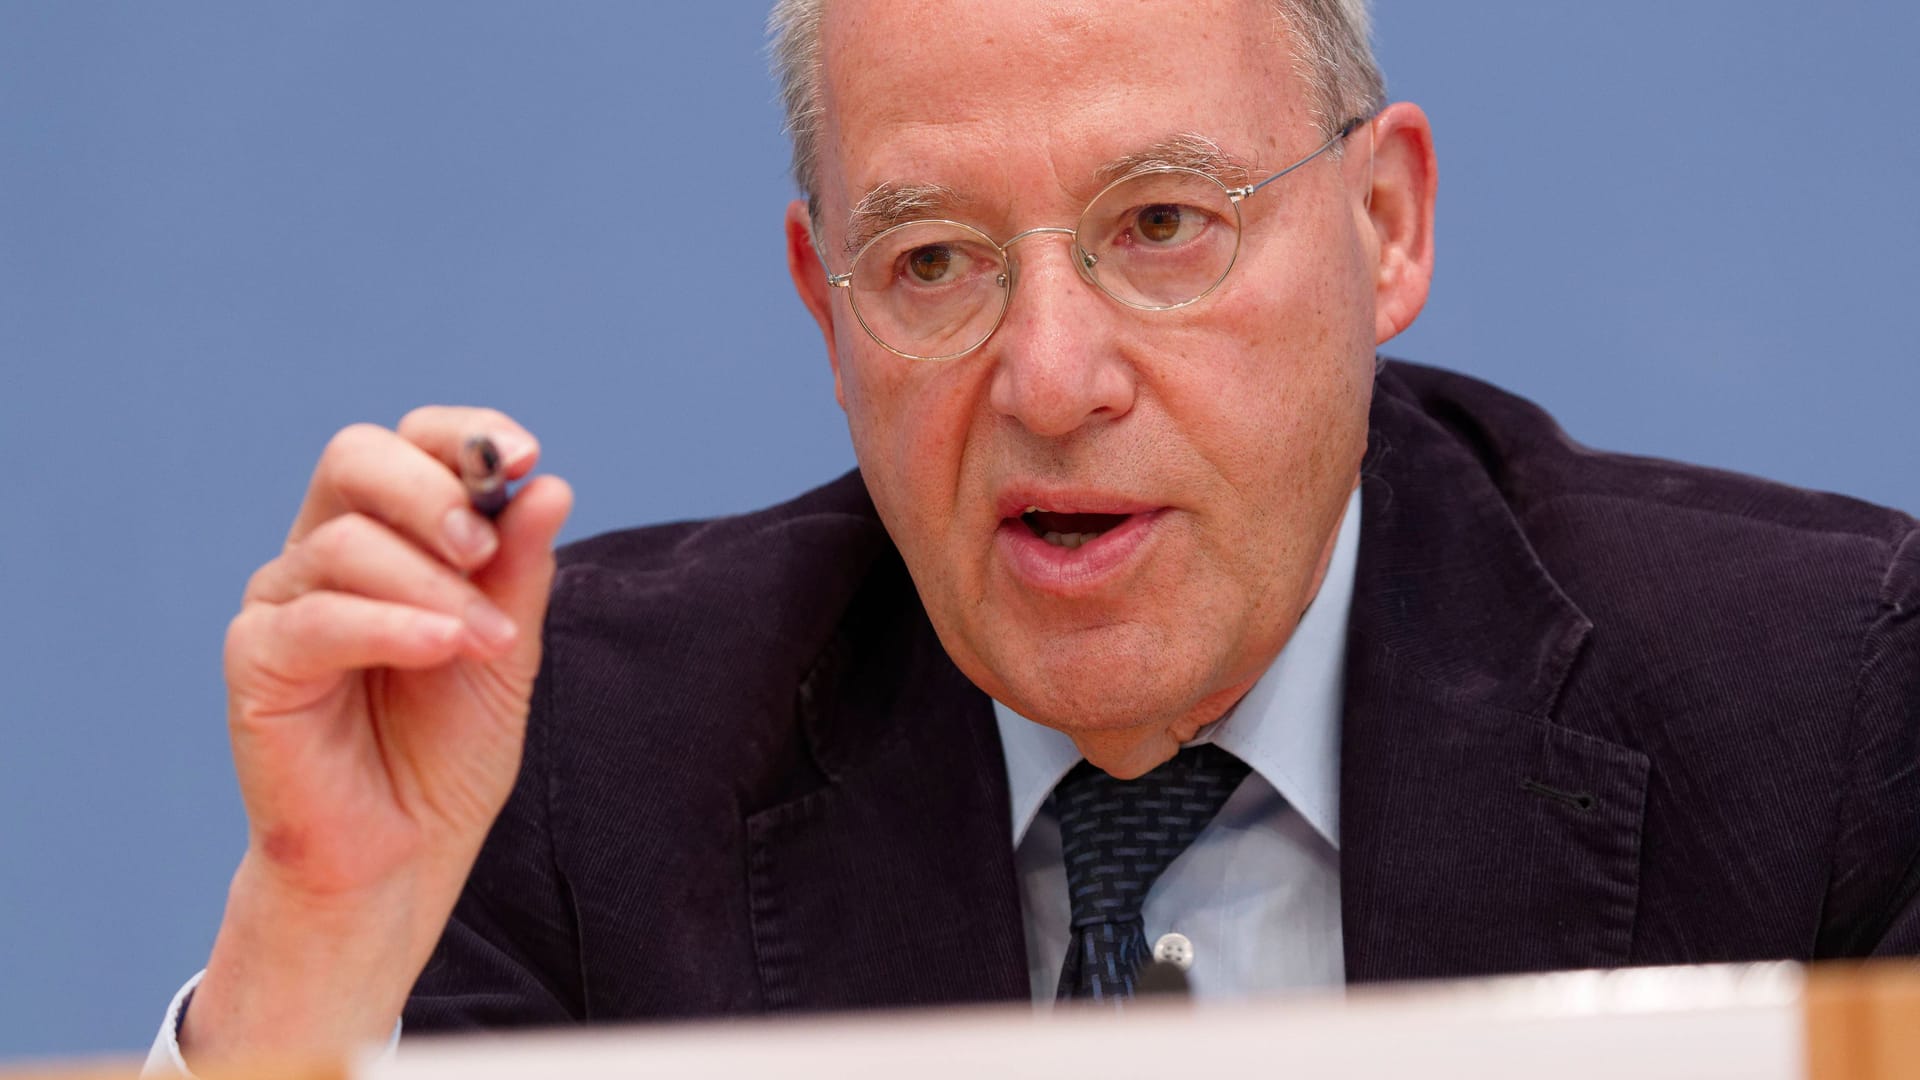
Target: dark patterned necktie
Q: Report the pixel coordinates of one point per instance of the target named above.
(1117, 836)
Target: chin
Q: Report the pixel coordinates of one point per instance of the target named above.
(1096, 682)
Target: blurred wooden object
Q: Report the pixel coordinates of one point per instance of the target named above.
(104, 1070)
(1755, 1022)
(1710, 1023)
(1863, 1023)
(129, 1069)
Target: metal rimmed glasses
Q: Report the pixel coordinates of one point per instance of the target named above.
(1155, 239)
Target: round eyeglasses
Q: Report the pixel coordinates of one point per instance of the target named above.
(1155, 239)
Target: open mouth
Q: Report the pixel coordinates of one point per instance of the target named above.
(1070, 530)
(1091, 544)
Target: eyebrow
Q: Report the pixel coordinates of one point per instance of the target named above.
(896, 202)
(1183, 150)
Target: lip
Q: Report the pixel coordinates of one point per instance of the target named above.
(1074, 572)
(1013, 502)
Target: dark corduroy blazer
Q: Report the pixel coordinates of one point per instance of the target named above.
(1600, 711)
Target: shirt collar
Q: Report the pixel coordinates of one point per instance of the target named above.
(1287, 728)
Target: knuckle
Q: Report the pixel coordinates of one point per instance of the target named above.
(352, 438)
(242, 640)
(294, 619)
(347, 444)
(453, 419)
(494, 419)
(260, 582)
(337, 538)
(418, 420)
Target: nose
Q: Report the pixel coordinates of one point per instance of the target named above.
(1057, 365)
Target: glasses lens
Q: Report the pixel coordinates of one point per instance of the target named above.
(931, 289)
(1161, 239)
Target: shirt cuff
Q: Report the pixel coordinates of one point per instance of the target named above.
(164, 1061)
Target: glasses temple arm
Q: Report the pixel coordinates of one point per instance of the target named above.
(836, 281)
(1350, 127)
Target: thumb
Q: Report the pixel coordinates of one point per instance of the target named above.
(520, 575)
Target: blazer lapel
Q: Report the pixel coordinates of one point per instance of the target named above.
(894, 883)
(1478, 836)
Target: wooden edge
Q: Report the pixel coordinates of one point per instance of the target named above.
(1863, 1021)
(91, 1070)
(129, 1069)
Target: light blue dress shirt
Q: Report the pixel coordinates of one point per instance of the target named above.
(1258, 893)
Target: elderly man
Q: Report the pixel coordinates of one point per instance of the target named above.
(1375, 674)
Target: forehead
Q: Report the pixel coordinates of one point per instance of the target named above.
(992, 97)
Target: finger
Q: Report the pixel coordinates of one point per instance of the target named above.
(354, 553)
(373, 471)
(324, 634)
(520, 577)
(441, 430)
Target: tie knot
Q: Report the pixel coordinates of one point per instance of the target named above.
(1118, 836)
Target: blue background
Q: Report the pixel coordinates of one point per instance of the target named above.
(227, 229)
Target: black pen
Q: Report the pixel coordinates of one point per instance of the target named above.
(480, 470)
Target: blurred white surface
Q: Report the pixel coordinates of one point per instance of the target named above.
(1698, 1023)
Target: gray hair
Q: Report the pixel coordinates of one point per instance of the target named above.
(1332, 46)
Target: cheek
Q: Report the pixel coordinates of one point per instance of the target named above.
(867, 392)
(1279, 384)
(909, 422)
(1273, 392)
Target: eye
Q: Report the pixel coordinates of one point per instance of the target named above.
(1166, 224)
(925, 260)
(930, 264)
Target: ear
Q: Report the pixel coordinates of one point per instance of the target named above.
(1404, 180)
(810, 281)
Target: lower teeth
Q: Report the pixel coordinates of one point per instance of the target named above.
(1067, 540)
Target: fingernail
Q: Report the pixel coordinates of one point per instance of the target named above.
(514, 449)
(467, 534)
(491, 624)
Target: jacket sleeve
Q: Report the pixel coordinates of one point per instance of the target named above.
(1873, 894)
(509, 956)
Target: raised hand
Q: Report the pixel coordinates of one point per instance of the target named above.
(378, 677)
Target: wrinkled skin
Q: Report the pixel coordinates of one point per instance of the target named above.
(1241, 419)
